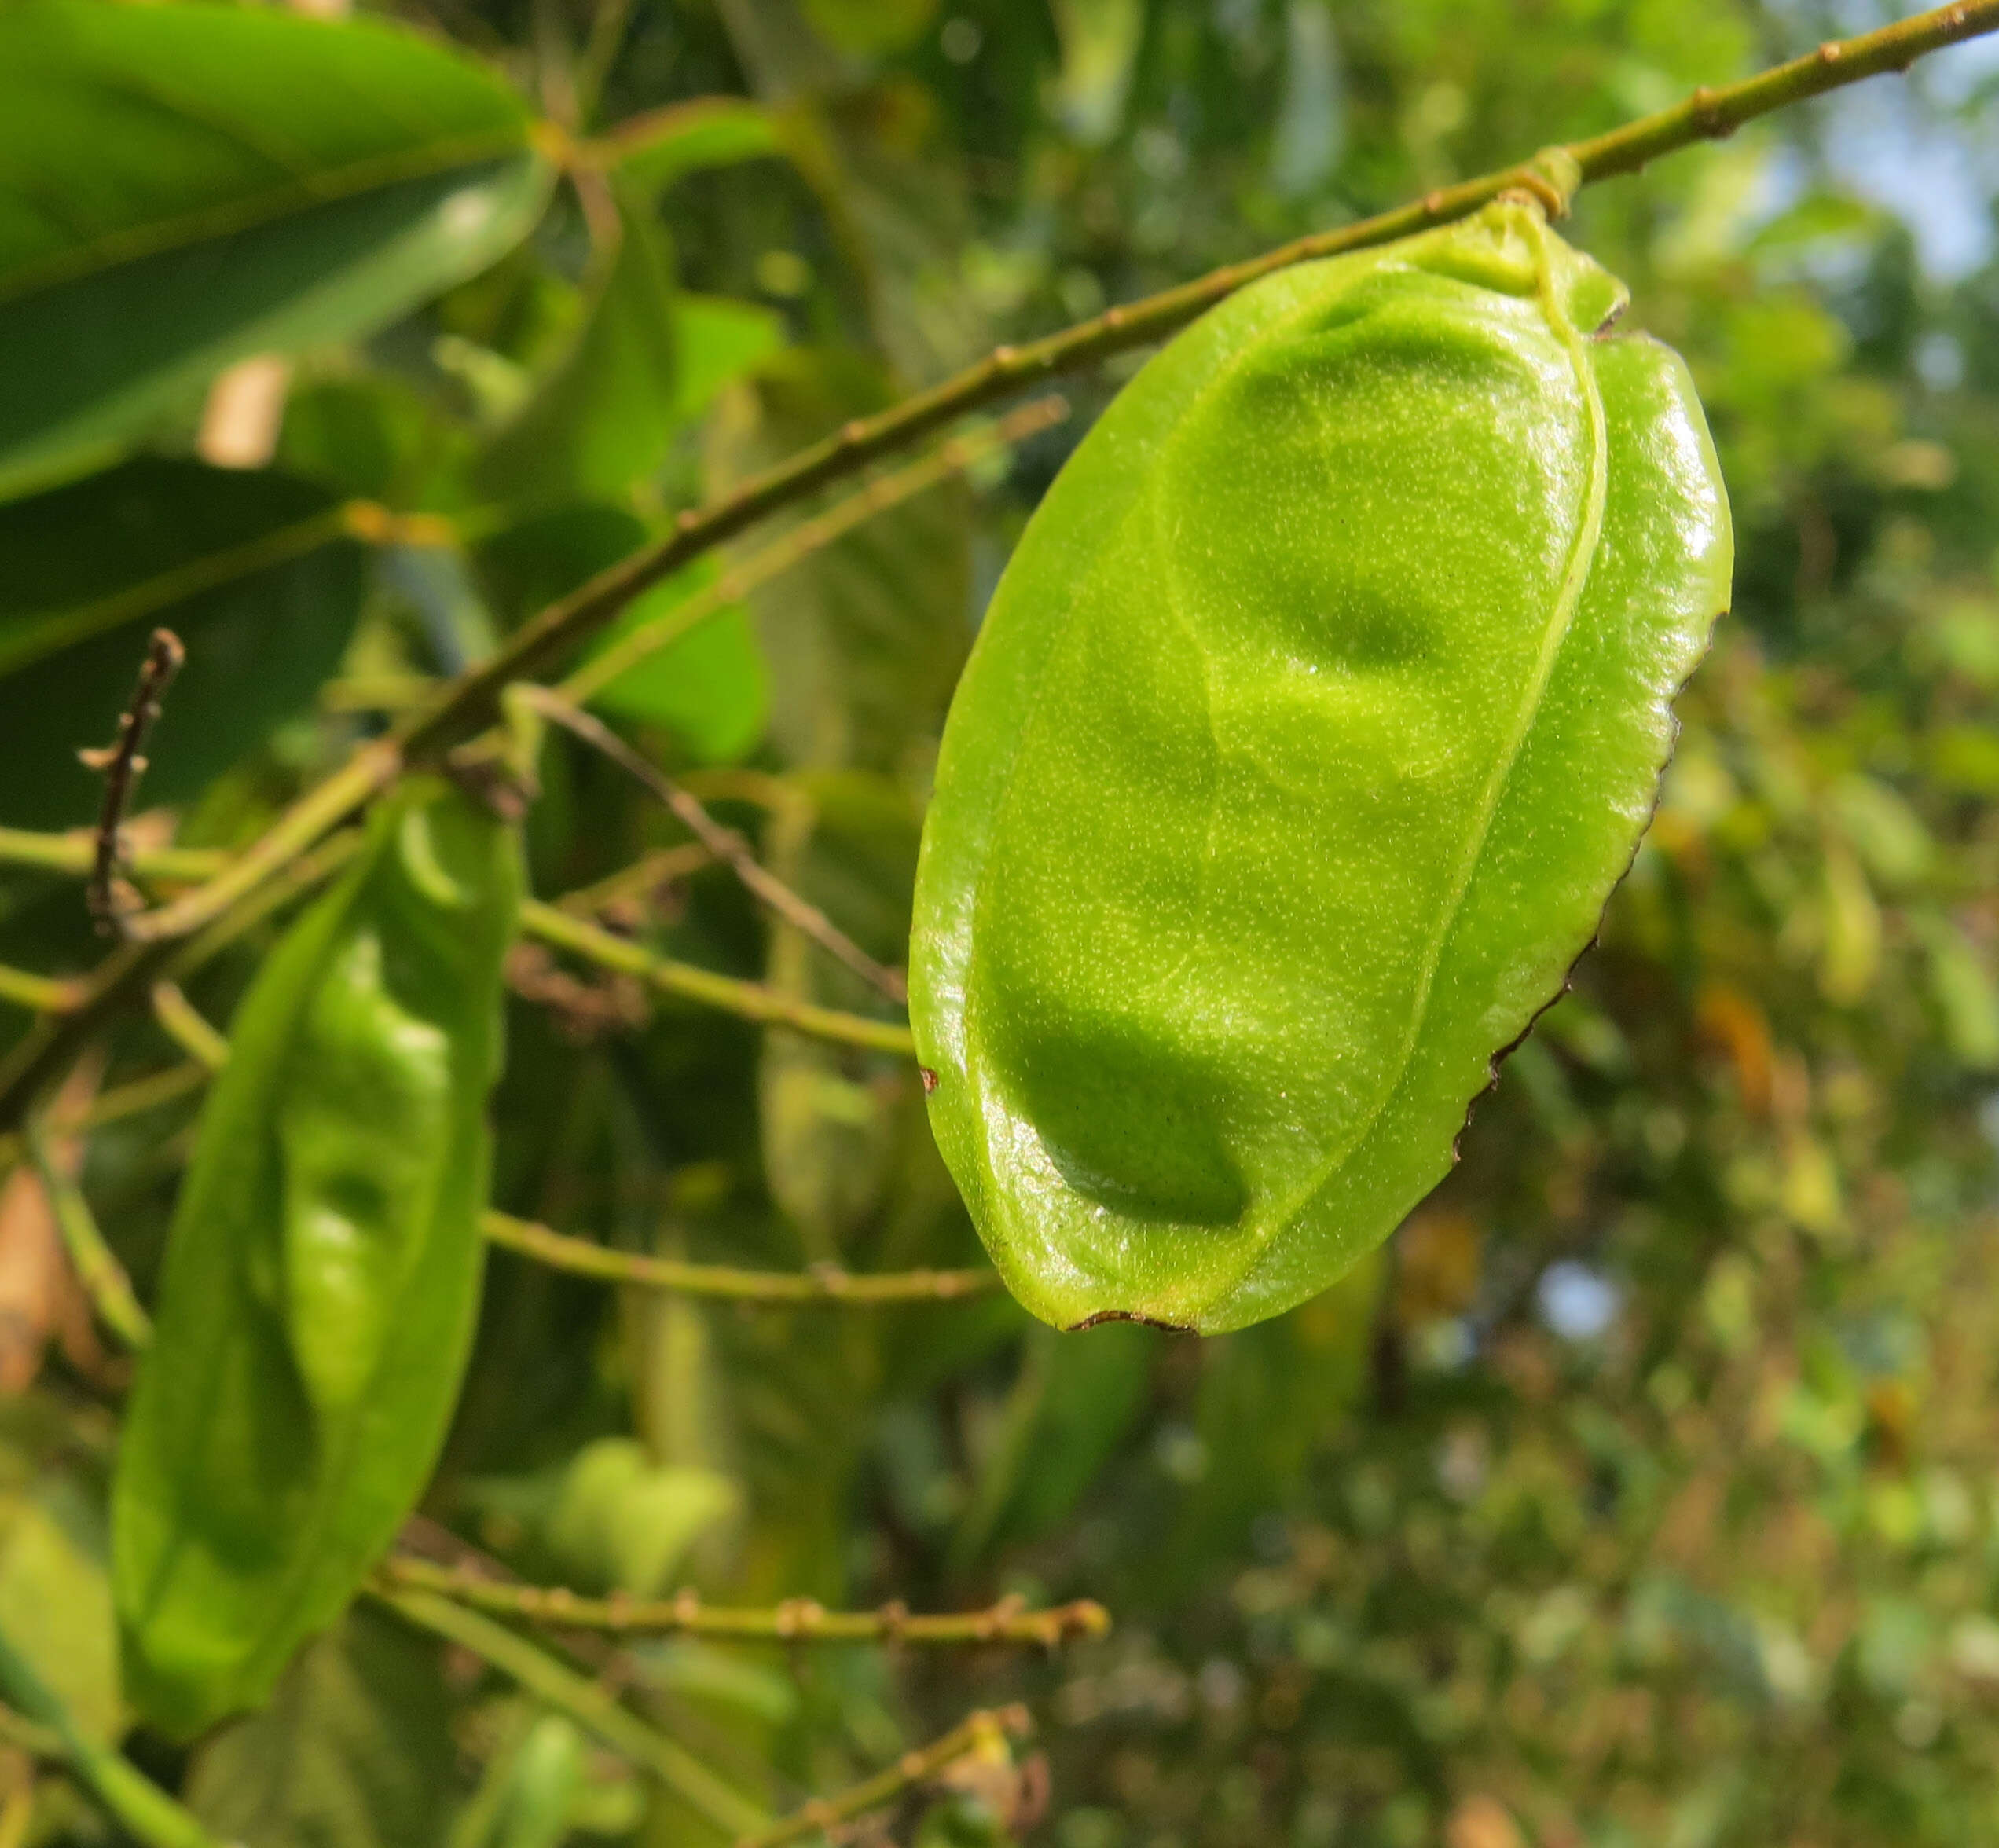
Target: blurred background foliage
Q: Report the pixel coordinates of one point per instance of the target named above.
(1645, 1491)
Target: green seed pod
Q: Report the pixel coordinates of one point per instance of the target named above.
(322, 1274)
(1321, 706)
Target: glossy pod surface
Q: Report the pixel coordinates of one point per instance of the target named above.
(1321, 707)
(322, 1273)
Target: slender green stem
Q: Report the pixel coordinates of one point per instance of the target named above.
(72, 853)
(365, 775)
(592, 1707)
(724, 843)
(748, 1000)
(824, 1814)
(141, 1808)
(802, 540)
(465, 704)
(39, 993)
(134, 1099)
(726, 1283)
(292, 882)
(186, 1026)
(640, 880)
(796, 1620)
(100, 1273)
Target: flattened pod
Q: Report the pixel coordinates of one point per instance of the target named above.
(1322, 704)
(322, 1274)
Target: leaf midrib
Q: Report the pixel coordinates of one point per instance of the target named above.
(111, 250)
(1574, 581)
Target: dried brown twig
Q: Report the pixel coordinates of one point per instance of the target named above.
(123, 764)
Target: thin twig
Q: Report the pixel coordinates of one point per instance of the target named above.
(184, 1025)
(465, 704)
(39, 993)
(73, 851)
(640, 882)
(121, 1101)
(724, 843)
(982, 1731)
(98, 1270)
(961, 454)
(294, 880)
(141, 1808)
(371, 770)
(728, 1283)
(124, 763)
(748, 1000)
(592, 1707)
(796, 1620)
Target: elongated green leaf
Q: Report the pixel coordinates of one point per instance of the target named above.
(353, 1751)
(323, 1269)
(253, 572)
(1320, 709)
(719, 341)
(606, 417)
(182, 184)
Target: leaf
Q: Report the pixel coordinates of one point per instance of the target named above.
(1965, 992)
(254, 571)
(864, 638)
(322, 1273)
(55, 1599)
(1321, 707)
(720, 340)
(709, 689)
(654, 150)
(548, 1778)
(353, 1751)
(373, 436)
(1074, 1398)
(180, 186)
(605, 418)
(625, 1523)
(871, 26)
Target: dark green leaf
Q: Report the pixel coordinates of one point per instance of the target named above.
(606, 417)
(253, 571)
(1076, 1396)
(180, 186)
